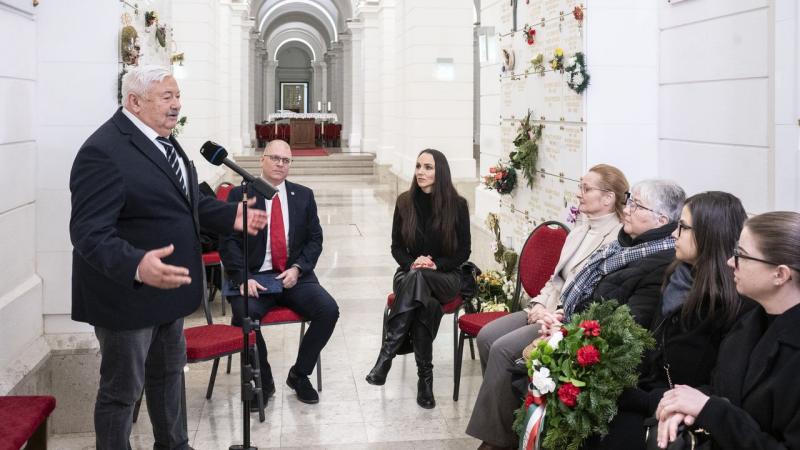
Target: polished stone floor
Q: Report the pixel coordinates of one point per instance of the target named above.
(356, 268)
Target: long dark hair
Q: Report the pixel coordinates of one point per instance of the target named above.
(717, 221)
(444, 201)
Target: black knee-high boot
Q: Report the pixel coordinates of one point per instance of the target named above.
(396, 330)
(423, 354)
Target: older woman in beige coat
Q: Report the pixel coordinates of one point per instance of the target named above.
(500, 343)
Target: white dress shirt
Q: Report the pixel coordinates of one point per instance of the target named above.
(152, 135)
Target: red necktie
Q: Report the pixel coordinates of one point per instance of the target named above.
(277, 236)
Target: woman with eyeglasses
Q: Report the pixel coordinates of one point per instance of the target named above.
(430, 241)
(631, 269)
(699, 304)
(601, 199)
(754, 398)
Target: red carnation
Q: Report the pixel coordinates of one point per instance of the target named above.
(529, 400)
(588, 355)
(590, 328)
(568, 394)
(564, 331)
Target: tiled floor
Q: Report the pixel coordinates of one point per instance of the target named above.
(356, 268)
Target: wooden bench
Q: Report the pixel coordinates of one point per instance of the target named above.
(24, 419)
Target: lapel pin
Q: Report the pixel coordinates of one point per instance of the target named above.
(292, 192)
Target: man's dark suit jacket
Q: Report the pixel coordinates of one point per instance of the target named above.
(126, 200)
(305, 236)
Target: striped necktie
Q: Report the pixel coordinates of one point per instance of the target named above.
(172, 158)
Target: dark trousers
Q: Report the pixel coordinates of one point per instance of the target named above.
(308, 299)
(152, 358)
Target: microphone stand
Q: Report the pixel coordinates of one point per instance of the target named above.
(250, 370)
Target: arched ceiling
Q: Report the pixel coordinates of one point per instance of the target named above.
(301, 33)
(298, 20)
(326, 16)
(294, 45)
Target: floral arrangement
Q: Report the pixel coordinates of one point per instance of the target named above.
(506, 257)
(529, 34)
(572, 214)
(526, 156)
(501, 178)
(578, 77)
(538, 64)
(150, 18)
(179, 126)
(492, 291)
(557, 63)
(577, 13)
(577, 374)
(161, 36)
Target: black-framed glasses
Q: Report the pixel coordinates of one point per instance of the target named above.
(633, 205)
(584, 188)
(682, 226)
(737, 255)
(278, 159)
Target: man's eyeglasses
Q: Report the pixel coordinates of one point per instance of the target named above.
(737, 255)
(682, 226)
(584, 188)
(277, 159)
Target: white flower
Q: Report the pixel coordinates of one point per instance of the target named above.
(494, 247)
(542, 382)
(555, 338)
(577, 79)
(571, 61)
(536, 363)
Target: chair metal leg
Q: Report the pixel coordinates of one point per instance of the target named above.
(38, 440)
(230, 357)
(455, 335)
(471, 348)
(457, 368)
(319, 373)
(213, 378)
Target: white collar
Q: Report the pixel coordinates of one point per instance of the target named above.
(143, 127)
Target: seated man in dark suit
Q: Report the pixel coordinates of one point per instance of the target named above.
(289, 247)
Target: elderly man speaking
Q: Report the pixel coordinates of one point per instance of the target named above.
(136, 262)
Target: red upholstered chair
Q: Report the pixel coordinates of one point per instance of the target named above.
(537, 261)
(24, 419)
(207, 342)
(212, 260)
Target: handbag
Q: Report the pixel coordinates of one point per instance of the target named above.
(469, 284)
(686, 438)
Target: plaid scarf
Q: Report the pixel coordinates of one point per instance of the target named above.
(604, 261)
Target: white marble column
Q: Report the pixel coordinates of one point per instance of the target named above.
(371, 44)
(238, 35)
(223, 76)
(334, 60)
(248, 85)
(390, 119)
(353, 93)
(258, 82)
(270, 78)
(318, 82)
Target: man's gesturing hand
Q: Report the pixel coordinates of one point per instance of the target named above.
(155, 273)
(256, 218)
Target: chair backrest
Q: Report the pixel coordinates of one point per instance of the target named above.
(539, 257)
(223, 190)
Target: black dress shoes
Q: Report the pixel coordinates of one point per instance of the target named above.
(302, 387)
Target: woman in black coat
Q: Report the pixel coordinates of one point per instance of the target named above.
(430, 241)
(698, 306)
(755, 397)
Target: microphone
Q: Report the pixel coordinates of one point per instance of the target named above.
(216, 155)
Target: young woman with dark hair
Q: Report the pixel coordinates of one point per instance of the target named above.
(699, 305)
(755, 398)
(430, 241)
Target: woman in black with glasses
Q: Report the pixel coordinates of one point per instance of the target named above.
(754, 400)
(699, 304)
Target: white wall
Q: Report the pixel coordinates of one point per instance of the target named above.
(729, 99)
(20, 287)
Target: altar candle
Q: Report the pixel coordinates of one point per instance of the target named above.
(319, 106)
(329, 106)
